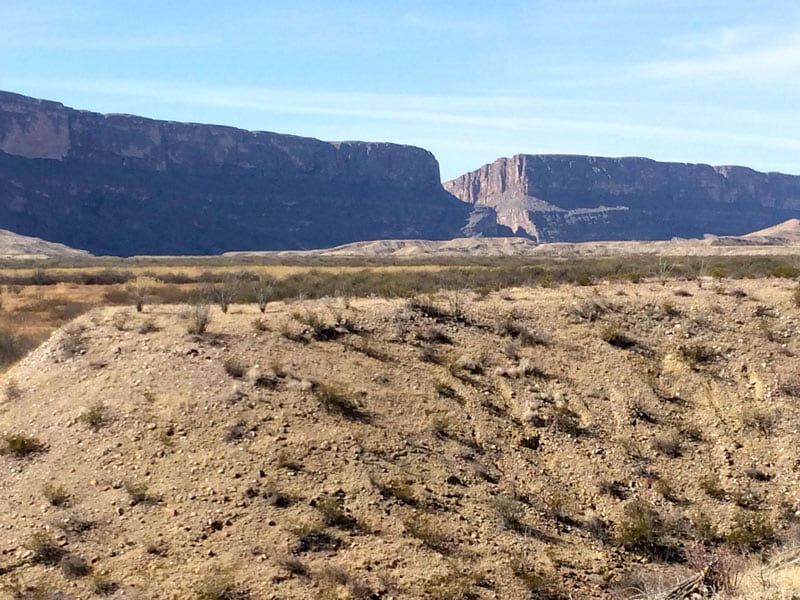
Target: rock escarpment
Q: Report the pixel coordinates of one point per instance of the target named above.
(581, 198)
(123, 185)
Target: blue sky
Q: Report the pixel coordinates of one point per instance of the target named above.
(689, 81)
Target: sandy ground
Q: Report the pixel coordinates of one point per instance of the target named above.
(365, 449)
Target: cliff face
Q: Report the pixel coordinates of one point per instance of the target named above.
(119, 184)
(579, 198)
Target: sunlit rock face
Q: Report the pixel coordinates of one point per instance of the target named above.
(581, 198)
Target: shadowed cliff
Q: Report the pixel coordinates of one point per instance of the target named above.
(122, 185)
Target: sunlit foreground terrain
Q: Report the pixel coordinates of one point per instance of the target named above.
(597, 428)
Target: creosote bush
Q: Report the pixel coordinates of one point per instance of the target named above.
(234, 367)
(21, 445)
(429, 532)
(641, 529)
(45, 550)
(138, 493)
(751, 532)
(758, 420)
(220, 585)
(336, 400)
(94, 417)
(74, 567)
(56, 495)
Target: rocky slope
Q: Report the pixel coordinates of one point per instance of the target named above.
(22, 246)
(580, 198)
(122, 185)
(458, 447)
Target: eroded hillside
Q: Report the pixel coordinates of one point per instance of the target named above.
(536, 442)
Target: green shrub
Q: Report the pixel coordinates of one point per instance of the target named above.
(334, 514)
(21, 445)
(641, 529)
(94, 417)
(138, 493)
(751, 532)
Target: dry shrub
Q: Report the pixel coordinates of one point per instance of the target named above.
(234, 367)
(333, 513)
(56, 495)
(199, 318)
(148, 326)
(429, 532)
(12, 391)
(669, 445)
(759, 420)
(335, 400)
(12, 347)
(74, 567)
(44, 549)
(292, 565)
(220, 585)
(614, 337)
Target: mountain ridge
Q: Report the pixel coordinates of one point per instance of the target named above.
(126, 185)
(118, 184)
(561, 197)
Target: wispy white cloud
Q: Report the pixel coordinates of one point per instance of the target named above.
(722, 40)
(447, 23)
(128, 42)
(737, 55)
